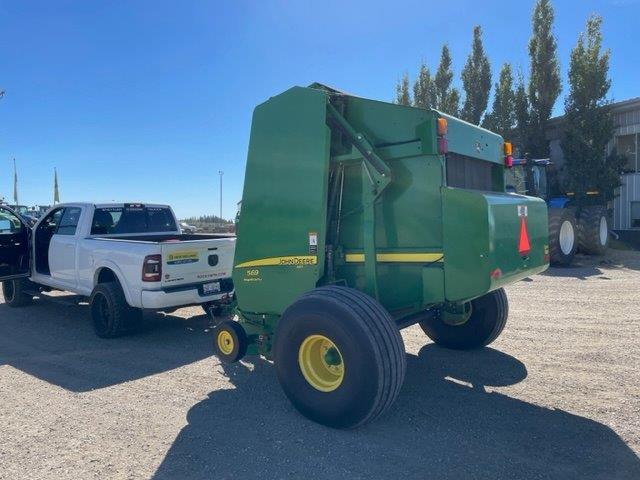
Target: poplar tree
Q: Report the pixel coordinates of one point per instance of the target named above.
(447, 98)
(476, 80)
(424, 93)
(544, 81)
(588, 121)
(403, 97)
(501, 119)
(521, 112)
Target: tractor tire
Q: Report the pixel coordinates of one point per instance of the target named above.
(339, 357)
(593, 231)
(488, 318)
(563, 241)
(111, 314)
(14, 294)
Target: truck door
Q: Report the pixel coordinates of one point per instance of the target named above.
(15, 236)
(63, 247)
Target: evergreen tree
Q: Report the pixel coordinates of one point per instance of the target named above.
(544, 82)
(424, 92)
(502, 117)
(403, 97)
(452, 103)
(521, 113)
(588, 122)
(476, 81)
(447, 99)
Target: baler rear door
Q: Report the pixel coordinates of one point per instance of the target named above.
(491, 239)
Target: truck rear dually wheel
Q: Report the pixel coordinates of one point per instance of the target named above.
(339, 357)
(111, 314)
(486, 320)
(14, 294)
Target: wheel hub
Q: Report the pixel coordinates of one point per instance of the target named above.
(567, 237)
(321, 363)
(225, 342)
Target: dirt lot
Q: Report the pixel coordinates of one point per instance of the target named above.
(557, 396)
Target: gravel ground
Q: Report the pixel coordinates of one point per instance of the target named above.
(556, 396)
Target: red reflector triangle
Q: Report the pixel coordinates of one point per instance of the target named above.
(523, 244)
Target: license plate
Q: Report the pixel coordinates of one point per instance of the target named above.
(213, 287)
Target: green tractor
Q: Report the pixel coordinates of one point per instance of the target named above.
(360, 218)
(572, 228)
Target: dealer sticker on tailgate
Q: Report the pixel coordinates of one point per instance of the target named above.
(177, 258)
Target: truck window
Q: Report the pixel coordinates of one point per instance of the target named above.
(132, 219)
(9, 223)
(69, 221)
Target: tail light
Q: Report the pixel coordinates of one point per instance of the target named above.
(152, 268)
(443, 145)
(508, 158)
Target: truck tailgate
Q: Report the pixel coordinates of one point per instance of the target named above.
(196, 261)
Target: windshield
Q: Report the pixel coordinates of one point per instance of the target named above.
(132, 219)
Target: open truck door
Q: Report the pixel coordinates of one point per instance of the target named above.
(15, 236)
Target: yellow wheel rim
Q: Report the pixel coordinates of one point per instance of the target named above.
(225, 342)
(321, 363)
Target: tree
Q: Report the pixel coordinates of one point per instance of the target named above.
(544, 81)
(403, 97)
(502, 117)
(521, 113)
(588, 122)
(424, 93)
(447, 98)
(476, 80)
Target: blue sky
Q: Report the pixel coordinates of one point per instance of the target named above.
(148, 100)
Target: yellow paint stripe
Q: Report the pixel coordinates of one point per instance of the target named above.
(397, 257)
(293, 260)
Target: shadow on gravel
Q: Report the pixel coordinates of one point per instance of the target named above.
(444, 425)
(585, 266)
(55, 342)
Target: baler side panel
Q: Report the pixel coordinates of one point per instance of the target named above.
(284, 202)
(482, 236)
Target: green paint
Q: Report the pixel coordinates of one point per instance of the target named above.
(366, 177)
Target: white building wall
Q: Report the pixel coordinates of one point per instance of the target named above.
(628, 192)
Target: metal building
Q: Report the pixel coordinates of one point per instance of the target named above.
(626, 119)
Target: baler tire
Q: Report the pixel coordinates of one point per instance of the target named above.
(590, 230)
(557, 218)
(369, 347)
(236, 335)
(487, 321)
(14, 294)
(107, 299)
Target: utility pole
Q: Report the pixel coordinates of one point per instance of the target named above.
(221, 173)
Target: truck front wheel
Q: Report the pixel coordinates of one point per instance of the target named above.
(110, 313)
(486, 320)
(14, 293)
(339, 357)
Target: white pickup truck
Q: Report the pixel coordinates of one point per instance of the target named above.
(125, 257)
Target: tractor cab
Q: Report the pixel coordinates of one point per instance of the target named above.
(528, 177)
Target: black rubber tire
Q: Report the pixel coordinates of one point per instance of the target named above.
(240, 341)
(14, 295)
(370, 345)
(488, 318)
(111, 314)
(557, 217)
(589, 241)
